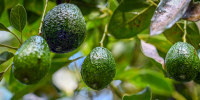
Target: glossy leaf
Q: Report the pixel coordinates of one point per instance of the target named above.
(143, 95)
(2, 7)
(193, 12)
(130, 18)
(175, 34)
(150, 50)
(5, 56)
(3, 28)
(18, 17)
(1, 76)
(166, 15)
(155, 80)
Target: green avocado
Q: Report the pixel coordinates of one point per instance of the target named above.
(197, 78)
(98, 68)
(32, 60)
(64, 28)
(182, 62)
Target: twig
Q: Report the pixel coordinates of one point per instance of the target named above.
(104, 35)
(116, 91)
(152, 3)
(7, 46)
(43, 16)
(185, 31)
(68, 1)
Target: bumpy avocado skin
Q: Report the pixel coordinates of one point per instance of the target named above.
(182, 62)
(64, 28)
(98, 68)
(32, 60)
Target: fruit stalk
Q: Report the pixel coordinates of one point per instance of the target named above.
(152, 3)
(46, 2)
(104, 35)
(185, 31)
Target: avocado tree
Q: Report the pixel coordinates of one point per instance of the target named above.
(99, 49)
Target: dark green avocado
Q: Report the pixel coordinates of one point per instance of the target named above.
(64, 28)
(182, 62)
(98, 68)
(32, 60)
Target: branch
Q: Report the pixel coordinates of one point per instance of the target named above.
(43, 16)
(116, 91)
(7, 46)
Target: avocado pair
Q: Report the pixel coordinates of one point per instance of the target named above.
(182, 62)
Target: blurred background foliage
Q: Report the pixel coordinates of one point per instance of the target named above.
(128, 25)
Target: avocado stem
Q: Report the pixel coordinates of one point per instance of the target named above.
(104, 35)
(152, 3)
(68, 1)
(46, 2)
(185, 31)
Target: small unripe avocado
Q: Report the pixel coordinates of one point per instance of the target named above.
(98, 68)
(64, 28)
(32, 60)
(182, 62)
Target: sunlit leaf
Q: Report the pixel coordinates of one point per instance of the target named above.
(150, 50)
(5, 56)
(175, 34)
(166, 15)
(2, 7)
(18, 17)
(143, 95)
(130, 18)
(3, 28)
(193, 12)
(155, 80)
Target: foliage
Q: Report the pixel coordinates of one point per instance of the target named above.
(121, 26)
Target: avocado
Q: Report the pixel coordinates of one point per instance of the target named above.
(32, 60)
(64, 28)
(182, 62)
(98, 68)
(197, 78)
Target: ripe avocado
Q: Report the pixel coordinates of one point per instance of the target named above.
(182, 62)
(32, 60)
(64, 28)
(98, 68)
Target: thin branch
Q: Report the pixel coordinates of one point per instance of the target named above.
(104, 35)
(185, 31)
(43, 17)
(7, 46)
(116, 91)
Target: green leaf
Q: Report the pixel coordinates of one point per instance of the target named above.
(143, 95)
(3, 28)
(1, 75)
(157, 81)
(18, 17)
(2, 7)
(35, 6)
(5, 56)
(130, 18)
(176, 33)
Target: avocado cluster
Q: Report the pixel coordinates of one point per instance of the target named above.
(32, 60)
(64, 28)
(98, 68)
(182, 62)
